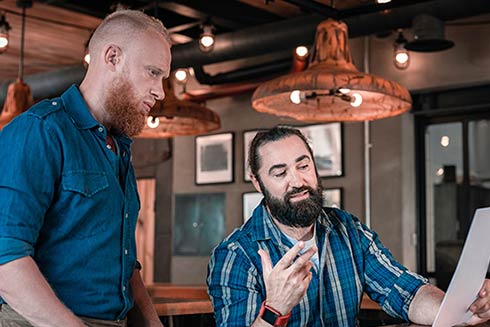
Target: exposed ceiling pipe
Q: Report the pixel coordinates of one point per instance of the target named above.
(276, 36)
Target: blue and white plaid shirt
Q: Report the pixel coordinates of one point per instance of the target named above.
(352, 261)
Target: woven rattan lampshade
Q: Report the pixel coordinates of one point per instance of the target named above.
(179, 117)
(328, 86)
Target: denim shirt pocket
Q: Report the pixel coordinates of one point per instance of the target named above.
(87, 183)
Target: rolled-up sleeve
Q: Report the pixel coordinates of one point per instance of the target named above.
(30, 159)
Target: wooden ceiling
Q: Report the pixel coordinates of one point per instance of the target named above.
(54, 37)
(57, 30)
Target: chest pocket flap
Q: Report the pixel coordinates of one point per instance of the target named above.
(85, 182)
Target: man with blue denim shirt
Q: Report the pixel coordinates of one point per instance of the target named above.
(295, 263)
(68, 197)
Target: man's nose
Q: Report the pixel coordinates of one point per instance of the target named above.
(158, 92)
(295, 179)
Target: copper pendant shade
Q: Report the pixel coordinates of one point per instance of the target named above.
(174, 117)
(331, 88)
(18, 99)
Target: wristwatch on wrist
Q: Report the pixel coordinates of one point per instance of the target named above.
(272, 316)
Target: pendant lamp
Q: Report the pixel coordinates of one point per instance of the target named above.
(331, 88)
(174, 117)
(19, 96)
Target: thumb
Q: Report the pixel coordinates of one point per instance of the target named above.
(266, 263)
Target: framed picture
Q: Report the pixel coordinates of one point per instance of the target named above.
(214, 159)
(247, 139)
(332, 197)
(250, 200)
(326, 142)
(199, 223)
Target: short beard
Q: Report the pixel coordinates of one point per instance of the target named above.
(122, 106)
(300, 214)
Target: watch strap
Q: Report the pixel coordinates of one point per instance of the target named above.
(272, 316)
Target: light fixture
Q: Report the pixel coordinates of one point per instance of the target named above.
(401, 57)
(383, 1)
(181, 76)
(19, 96)
(301, 51)
(331, 88)
(4, 33)
(428, 34)
(174, 117)
(206, 39)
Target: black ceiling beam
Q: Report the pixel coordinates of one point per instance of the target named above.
(373, 8)
(315, 7)
(188, 11)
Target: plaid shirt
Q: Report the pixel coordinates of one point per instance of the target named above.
(352, 261)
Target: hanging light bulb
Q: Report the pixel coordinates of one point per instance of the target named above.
(206, 40)
(4, 33)
(401, 57)
(153, 122)
(301, 51)
(181, 75)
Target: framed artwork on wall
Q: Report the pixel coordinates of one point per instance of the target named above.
(326, 142)
(332, 197)
(249, 201)
(214, 159)
(247, 139)
(199, 223)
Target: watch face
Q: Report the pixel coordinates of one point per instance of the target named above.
(269, 316)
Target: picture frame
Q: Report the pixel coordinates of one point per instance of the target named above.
(247, 139)
(326, 141)
(250, 200)
(198, 223)
(332, 197)
(214, 158)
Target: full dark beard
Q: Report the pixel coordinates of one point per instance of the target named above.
(299, 214)
(122, 106)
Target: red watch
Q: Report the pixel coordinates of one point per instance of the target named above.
(272, 316)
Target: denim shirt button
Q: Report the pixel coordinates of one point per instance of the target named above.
(54, 103)
(101, 129)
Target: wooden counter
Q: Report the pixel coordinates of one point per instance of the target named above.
(176, 300)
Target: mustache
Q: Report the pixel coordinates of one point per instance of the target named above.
(297, 190)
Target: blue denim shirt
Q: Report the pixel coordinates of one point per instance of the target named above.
(61, 203)
(352, 262)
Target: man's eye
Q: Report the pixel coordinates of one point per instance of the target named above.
(153, 73)
(303, 167)
(281, 174)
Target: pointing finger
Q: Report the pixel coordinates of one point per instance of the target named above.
(266, 263)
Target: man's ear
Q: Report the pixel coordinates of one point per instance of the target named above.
(255, 183)
(112, 55)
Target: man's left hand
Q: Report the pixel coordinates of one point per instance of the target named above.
(481, 306)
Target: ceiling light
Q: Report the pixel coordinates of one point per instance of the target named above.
(181, 75)
(331, 87)
(4, 33)
(86, 59)
(383, 1)
(428, 34)
(301, 51)
(174, 117)
(206, 39)
(401, 57)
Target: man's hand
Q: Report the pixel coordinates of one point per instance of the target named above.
(287, 282)
(481, 306)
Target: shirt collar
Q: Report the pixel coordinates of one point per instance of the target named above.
(77, 109)
(79, 113)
